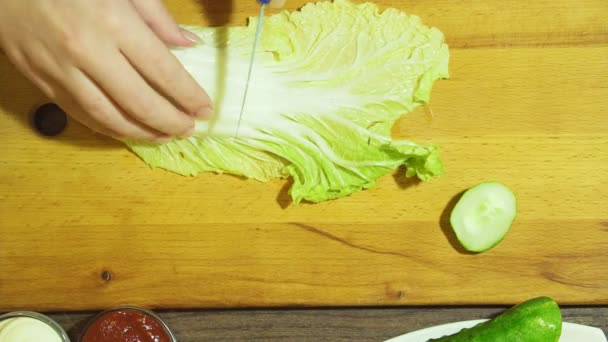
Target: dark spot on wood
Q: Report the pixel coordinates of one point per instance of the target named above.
(399, 294)
(106, 275)
(393, 294)
(50, 120)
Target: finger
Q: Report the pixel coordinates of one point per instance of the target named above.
(94, 109)
(24, 64)
(158, 18)
(162, 70)
(54, 92)
(82, 99)
(76, 112)
(113, 73)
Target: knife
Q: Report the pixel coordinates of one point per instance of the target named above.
(258, 32)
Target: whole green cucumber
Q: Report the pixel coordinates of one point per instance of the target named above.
(535, 320)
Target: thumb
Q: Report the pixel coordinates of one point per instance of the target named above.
(158, 18)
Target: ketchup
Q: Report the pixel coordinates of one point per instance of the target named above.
(126, 325)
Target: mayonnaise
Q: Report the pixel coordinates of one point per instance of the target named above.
(26, 329)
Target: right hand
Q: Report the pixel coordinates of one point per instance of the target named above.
(107, 64)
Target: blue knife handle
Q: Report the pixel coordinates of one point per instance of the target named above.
(264, 2)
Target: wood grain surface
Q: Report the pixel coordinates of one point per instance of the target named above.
(85, 224)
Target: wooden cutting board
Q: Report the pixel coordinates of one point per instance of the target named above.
(84, 224)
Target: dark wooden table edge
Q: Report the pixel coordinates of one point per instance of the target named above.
(340, 323)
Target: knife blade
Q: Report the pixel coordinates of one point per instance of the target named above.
(258, 33)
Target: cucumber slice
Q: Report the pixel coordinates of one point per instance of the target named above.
(483, 215)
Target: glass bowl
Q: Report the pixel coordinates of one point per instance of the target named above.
(38, 316)
(144, 311)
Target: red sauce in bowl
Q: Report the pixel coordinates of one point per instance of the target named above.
(126, 325)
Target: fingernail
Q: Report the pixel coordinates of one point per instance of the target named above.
(188, 133)
(204, 113)
(163, 139)
(191, 36)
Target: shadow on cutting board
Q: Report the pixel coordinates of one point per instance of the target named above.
(399, 176)
(403, 181)
(19, 99)
(446, 227)
(218, 13)
(284, 198)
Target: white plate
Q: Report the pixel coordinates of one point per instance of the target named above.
(570, 332)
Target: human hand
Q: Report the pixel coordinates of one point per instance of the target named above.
(106, 63)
